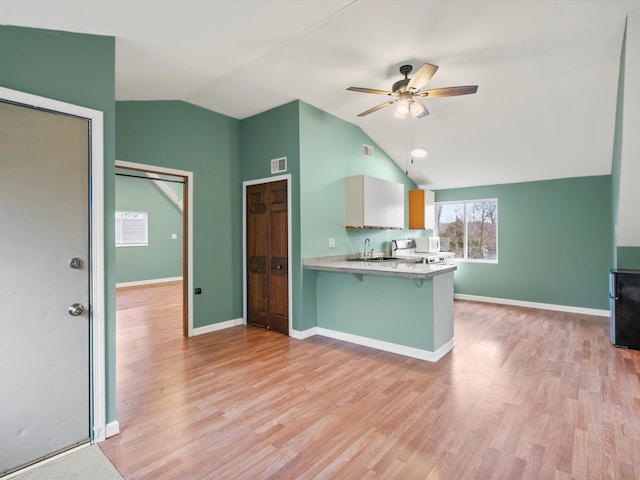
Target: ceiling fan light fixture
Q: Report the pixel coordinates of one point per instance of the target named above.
(418, 152)
(403, 106)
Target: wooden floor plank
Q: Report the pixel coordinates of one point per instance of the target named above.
(524, 394)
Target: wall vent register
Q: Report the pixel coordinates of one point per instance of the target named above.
(279, 165)
(367, 151)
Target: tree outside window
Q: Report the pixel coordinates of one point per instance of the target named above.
(469, 229)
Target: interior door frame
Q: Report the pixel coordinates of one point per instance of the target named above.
(259, 181)
(188, 232)
(97, 359)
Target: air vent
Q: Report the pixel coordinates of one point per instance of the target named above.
(279, 165)
(367, 150)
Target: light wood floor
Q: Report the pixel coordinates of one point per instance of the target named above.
(524, 394)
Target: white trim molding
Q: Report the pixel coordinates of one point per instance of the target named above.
(258, 181)
(542, 306)
(113, 428)
(214, 327)
(387, 346)
(190, 208)
(302, 334)
(97, 308)
(148, 282)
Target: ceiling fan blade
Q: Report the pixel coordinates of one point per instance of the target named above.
(418, 109)
(448, 91)
(376, 108)
(370, 90)
(421, 77)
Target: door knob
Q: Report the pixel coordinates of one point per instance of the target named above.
(75, 309)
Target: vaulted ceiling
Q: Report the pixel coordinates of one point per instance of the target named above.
(547, 71)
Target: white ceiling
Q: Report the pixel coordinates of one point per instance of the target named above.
(547, 71)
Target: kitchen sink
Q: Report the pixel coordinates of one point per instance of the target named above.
(384, 259)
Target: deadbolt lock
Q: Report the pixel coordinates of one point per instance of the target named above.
(75, 263)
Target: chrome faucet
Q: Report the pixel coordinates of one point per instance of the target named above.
(366, 253)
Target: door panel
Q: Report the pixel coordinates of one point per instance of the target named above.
(257, 276)
(44, 351)
(267, 254)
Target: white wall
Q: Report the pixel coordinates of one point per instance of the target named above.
(628, 224)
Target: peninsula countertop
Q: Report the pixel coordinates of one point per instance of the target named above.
(392, 268)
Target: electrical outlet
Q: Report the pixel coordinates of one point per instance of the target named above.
(174, 236)
(332, 243)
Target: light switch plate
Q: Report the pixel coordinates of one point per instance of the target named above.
(332, 243)
(174, 236)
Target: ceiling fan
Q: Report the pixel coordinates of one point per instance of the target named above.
(407, 89)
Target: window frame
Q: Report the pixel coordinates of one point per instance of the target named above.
(465, 203)
(121, 220)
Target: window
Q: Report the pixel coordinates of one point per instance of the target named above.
(131, 229)
(469, 229)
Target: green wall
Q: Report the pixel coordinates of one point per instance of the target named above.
(77, 69)
(269, 135)
(554, 242)
(182, 136)
(162, 257)
(394, 310)
(321, 150)
(330, 150)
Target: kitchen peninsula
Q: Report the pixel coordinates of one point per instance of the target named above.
(397, 306)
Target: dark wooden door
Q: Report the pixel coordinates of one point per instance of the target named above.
(267, 256)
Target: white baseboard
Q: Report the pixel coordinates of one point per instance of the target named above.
(113, 428)
(302, 334)
(543, 306)
(387, 346)
(148, 282)
(218, 326)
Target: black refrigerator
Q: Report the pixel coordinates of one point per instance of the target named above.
(624, 299)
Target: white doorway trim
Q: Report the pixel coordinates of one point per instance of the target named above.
(96, 243)
(189, 176)
(259, 181)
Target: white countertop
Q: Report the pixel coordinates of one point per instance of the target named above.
(387, 269)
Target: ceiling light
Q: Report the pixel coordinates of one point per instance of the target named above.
(418, 152)
(403, 106)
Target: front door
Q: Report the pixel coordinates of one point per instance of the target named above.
(44, 284)
(267, 256)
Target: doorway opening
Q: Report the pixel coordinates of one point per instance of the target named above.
(173, 187)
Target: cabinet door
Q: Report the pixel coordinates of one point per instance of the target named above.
(374, 202)
(396, 205)
(429, 210)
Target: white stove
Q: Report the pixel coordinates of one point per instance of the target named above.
(408, 249)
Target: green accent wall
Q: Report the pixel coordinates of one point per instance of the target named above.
(321, 150)
(628, 257)
(269, 135)
(182, 136)
(162, 257)
(330, 150)
(77, 69)
(554, 242)
(394, 310)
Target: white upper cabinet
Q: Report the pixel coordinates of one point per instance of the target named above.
(373, 203)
